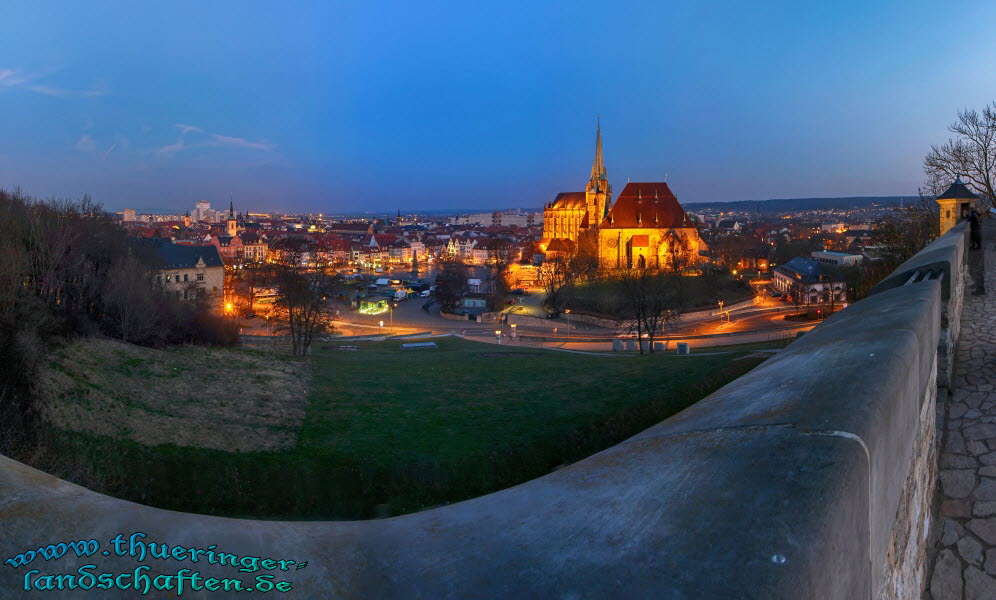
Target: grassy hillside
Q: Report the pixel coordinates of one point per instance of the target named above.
(347, 433)
(233, 400)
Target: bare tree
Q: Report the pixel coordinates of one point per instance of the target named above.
(730, 250)
(652, 300)
(582, 264)
(796, 296)
(304, 295)
(451, 284)
(498, 257)
(905, 231)
(129, 294)
(971, 155)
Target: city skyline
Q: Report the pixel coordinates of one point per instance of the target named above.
(470, 109)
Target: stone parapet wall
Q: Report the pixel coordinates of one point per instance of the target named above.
(535, 321)
(597, 321)
(452, 317)
(945, 259)
(808, 477)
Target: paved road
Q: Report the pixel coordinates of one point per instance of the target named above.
(764, 323)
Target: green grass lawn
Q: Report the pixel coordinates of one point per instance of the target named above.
(602, 297)
(388, 431)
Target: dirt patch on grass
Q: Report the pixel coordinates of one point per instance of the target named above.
(234, 400)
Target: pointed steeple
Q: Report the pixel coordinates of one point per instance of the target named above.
(231, 207)
(598, 165)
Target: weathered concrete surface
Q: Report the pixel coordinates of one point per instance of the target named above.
(965, 566)
(945, 257)
(619, 525)
(809, 477)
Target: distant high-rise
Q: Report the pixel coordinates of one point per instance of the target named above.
(201, 211)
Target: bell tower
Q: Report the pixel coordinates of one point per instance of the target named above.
(598, 192)
(230, 223)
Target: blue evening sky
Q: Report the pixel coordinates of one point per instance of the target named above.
(370, 105)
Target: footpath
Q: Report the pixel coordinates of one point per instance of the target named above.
(965, 550)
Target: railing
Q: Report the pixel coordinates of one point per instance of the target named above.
(809, 477)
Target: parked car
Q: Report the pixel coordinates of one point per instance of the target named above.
(251, 315)
(518, 292)
(425, 293)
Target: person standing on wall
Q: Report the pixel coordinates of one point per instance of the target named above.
(975, 230)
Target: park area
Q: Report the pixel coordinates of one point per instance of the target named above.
(357, 430)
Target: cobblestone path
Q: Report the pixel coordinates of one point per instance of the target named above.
(965, 563)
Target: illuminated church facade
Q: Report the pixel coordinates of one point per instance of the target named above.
(645, 227)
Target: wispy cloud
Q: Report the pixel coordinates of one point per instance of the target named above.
(12, 78)
(244, 143)
(209, 139)
(120, 142)
(86, 144)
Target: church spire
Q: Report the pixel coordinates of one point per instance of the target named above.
(598, 165)
(231, 206)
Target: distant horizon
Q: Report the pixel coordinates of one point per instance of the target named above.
(454, 211)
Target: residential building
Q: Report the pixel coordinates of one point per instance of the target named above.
(809, 281)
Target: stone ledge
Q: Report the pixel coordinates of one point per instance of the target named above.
(938, 256)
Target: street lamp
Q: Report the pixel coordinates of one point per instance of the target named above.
(514, 337)
(393, 306)
(498, 336)
(567, 312)
(381, 325)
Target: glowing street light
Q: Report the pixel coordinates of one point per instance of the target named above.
(513, 332)
(567, 312)
(381, 325)
(498, 336)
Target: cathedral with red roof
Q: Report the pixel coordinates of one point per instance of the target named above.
(646, 227)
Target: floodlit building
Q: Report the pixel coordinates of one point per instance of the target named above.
(191, 272)
(646, 227)
(571, 213)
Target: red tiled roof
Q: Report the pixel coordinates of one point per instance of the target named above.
(651, 205)
(357, 227)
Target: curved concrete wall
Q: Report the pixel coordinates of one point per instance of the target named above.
(809, 477)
